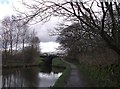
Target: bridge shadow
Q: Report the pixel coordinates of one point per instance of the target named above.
(47, 62)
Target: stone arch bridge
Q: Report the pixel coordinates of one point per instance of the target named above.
(47, 58)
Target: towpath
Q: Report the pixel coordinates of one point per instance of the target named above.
(75, 79)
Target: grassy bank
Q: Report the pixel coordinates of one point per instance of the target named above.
(16, 64)
(100, 75)
(103, 75)
(61, 81)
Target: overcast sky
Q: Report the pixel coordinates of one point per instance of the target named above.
(48, 43)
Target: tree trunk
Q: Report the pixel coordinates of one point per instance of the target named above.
(110, 42)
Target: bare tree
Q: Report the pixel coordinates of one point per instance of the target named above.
(81, 11)
(7, 27)
(13, 34)
(77, 39)
(5, 36)
(34, 41)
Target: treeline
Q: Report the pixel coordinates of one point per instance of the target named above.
(91, 54)
(19, 43)
(94, 44)
(96, 17)
(85, 45)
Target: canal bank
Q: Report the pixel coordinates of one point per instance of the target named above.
(37, 76)
(98, 75)
(71, 77)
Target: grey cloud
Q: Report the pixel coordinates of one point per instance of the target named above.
(43, 30)
(47, 38)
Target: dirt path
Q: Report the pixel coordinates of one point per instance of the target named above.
(74, 79)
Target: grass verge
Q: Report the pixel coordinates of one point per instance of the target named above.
(100, 75)
(61, 80)
(103, 75)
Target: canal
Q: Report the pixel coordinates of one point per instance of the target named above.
(30, 77)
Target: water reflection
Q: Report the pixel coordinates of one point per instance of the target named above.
(47, 80)
(13, 80)
(0, 81)
(46, 69)
(30, 77)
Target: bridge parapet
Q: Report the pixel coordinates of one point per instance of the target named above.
(47, 59)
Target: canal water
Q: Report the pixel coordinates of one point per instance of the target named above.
(30, 77)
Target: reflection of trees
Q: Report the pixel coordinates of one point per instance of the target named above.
(27, 77)
(30, 76)
(12, 79)
(20, 78)
(46, 69)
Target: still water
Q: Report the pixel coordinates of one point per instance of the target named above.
(29, 77)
